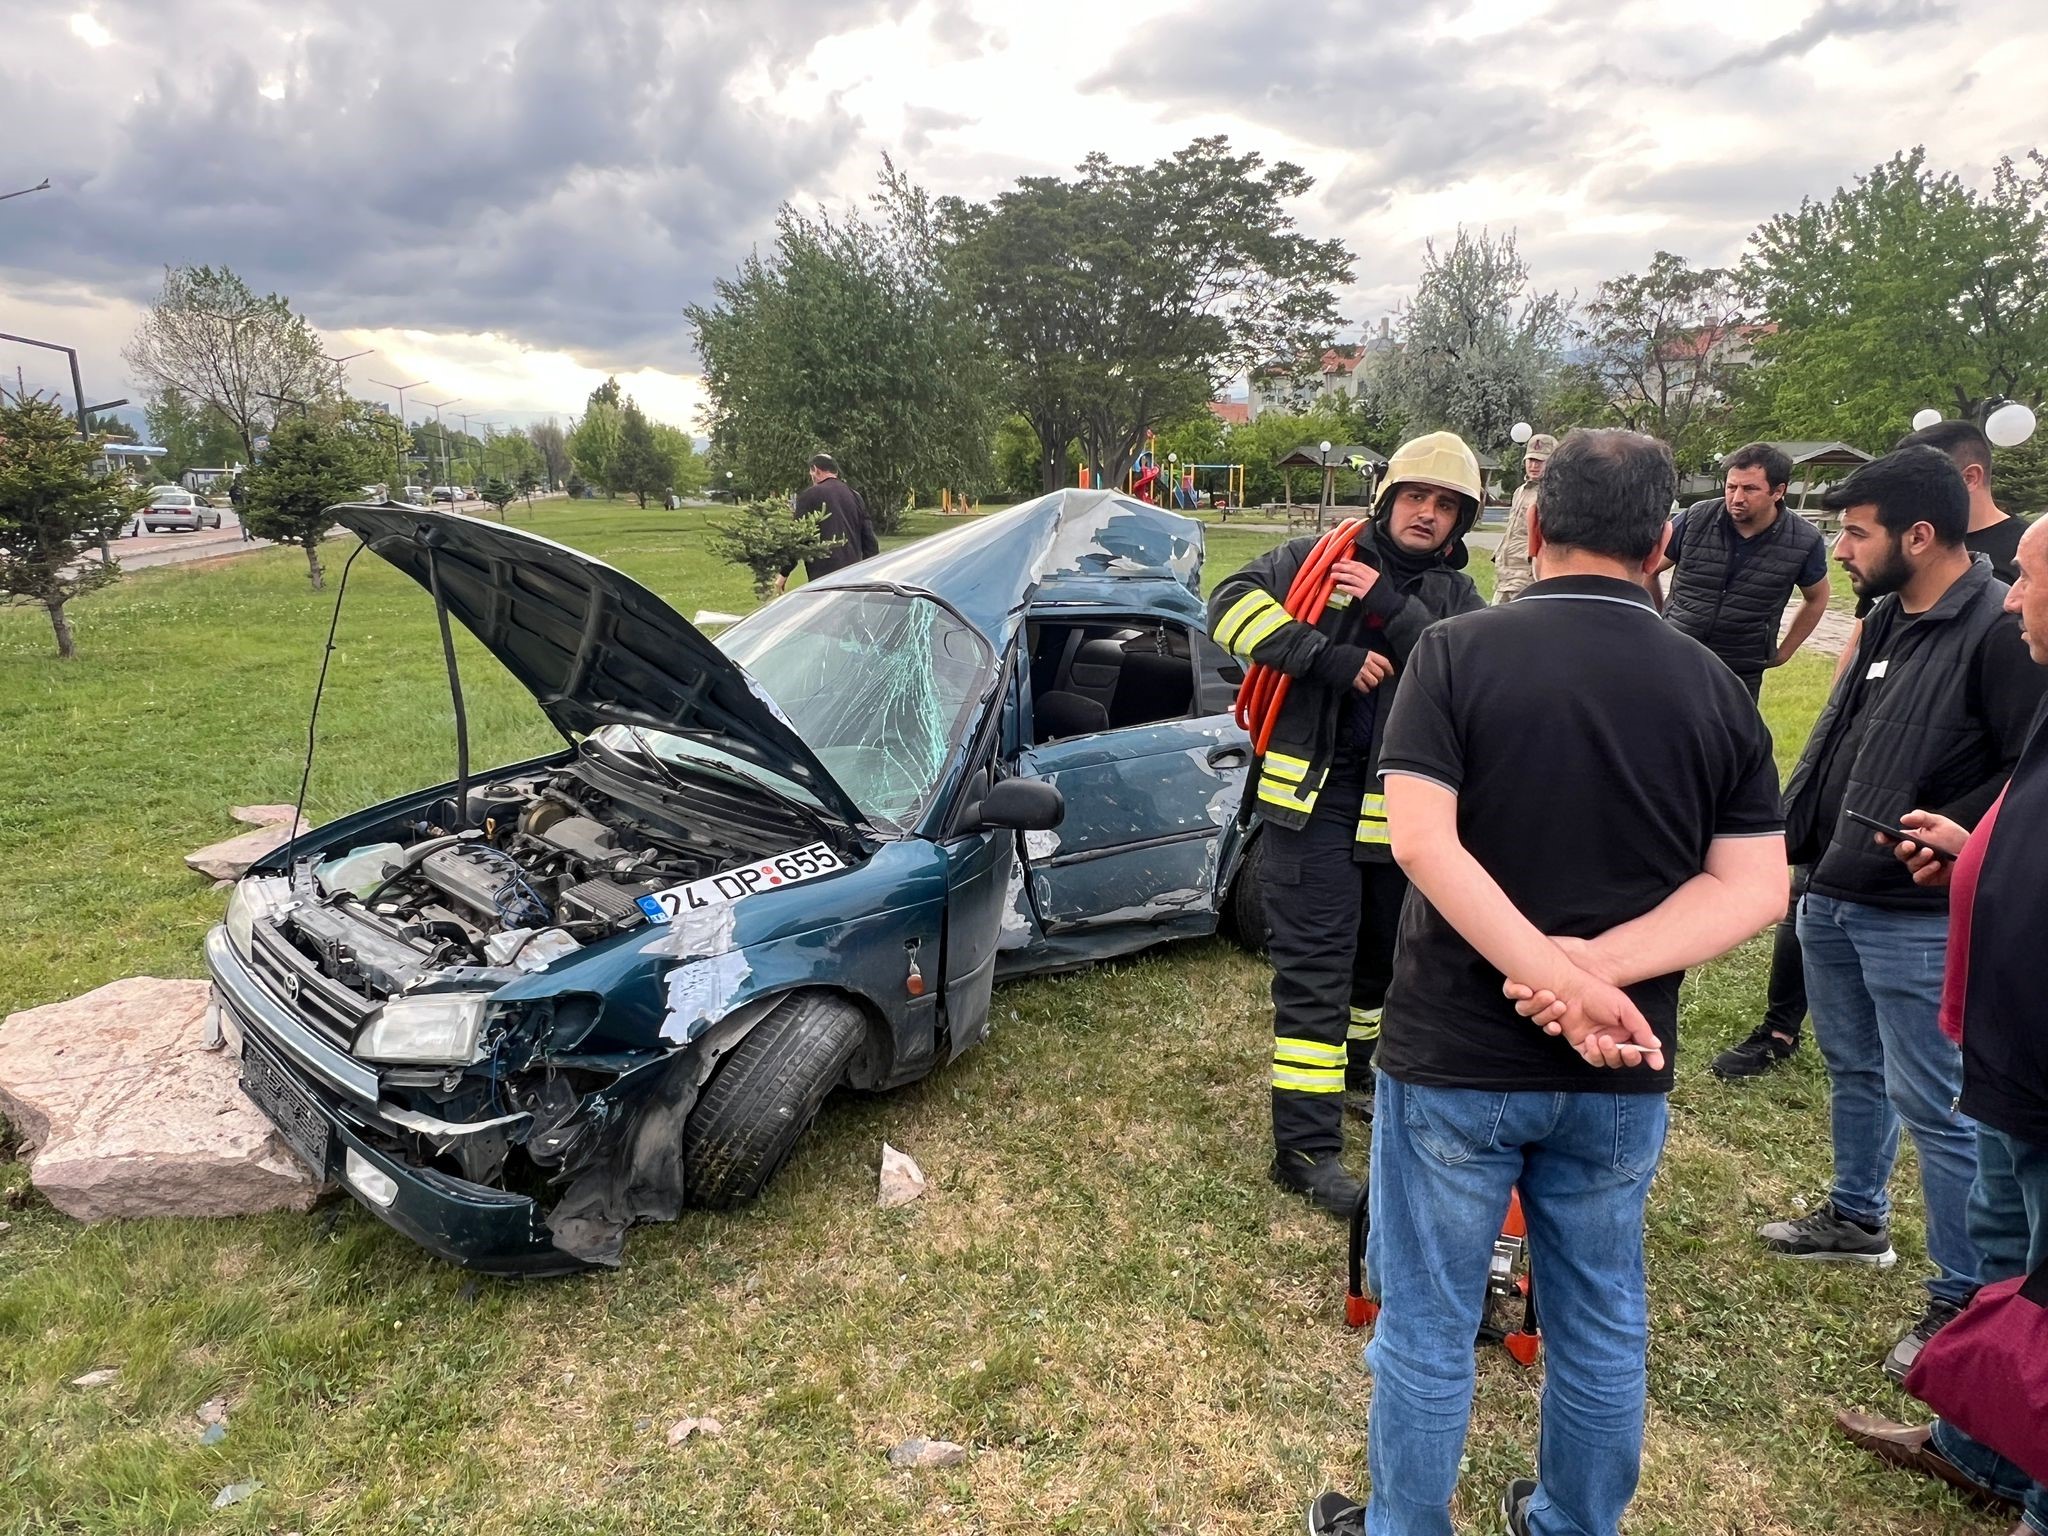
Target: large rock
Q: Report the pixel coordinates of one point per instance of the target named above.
(230, 859)
(127, 1114)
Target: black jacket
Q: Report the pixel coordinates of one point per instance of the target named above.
(1946, 726)
(846, 524)
(1733, 609)
(1247, 619)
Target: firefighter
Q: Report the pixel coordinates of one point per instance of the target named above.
(1332, 890)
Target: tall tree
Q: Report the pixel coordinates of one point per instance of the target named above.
(55, 513)
(193, 435)
(1905, 290)
(1664, 346)
(850, 336)
(1111, 325)
(214, 340)
(686, 469)
(1477, 342)
(552, 444)
(639, 468)
(314, 461)
(594, 443)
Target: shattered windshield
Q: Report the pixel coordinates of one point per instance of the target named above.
(880, 685)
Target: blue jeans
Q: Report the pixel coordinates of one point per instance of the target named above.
(1443, 1163)
(1873, 984)
(2009, 1220)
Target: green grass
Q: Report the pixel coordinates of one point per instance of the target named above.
(1101, 1295)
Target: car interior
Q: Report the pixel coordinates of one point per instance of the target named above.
(1108, 676)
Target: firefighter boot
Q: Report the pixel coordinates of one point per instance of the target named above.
(1321, 1177)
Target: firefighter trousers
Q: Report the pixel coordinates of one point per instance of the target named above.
(1332, 920)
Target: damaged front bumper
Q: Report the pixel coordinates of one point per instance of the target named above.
(326, 1105)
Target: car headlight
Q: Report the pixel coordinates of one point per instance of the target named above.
(254, 899)
(438, 1030)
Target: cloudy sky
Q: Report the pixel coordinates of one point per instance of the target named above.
(510, 198)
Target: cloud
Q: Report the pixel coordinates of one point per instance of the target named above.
(573, 175)
(1836, 19)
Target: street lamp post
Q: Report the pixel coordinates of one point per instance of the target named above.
(1329, 484)
(397, 453)
(41, 186)
(441, 433)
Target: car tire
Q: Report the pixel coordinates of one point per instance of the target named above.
(764, 1096)
(1244, 905)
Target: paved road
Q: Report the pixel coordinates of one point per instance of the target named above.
(154, 549)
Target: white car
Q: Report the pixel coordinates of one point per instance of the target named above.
(173, 510)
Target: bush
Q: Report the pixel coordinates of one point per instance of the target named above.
(768, 539)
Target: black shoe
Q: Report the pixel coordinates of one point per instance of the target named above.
(1753, 1057)
(1323, 1179)
(1514, 1506)
(1358, 1100)
(1938, 1315)
(1826, 1234)
(1334, 1515)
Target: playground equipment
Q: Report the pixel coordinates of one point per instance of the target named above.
(1184, 485)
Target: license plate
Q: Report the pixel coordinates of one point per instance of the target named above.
(288, 1107)
(791, 868)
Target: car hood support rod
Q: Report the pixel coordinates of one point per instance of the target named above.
(461, 818)
(319, 688)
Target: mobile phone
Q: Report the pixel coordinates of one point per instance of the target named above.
(1899, 833)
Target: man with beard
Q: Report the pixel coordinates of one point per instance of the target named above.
(1333, 892)
(1929, 712)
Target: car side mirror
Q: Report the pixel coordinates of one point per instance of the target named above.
(1022, 805)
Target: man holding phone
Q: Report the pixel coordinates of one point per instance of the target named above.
(1930, 710)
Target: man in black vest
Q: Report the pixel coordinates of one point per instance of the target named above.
(1929, 713)
(1738, 557)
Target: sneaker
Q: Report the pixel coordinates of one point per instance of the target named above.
(1323, 1179)
(1937, 1316)
(1828, 1236)
(1334, 1515)
(1753, 1057)
(1514, 1506)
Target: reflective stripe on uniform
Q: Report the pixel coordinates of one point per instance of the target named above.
(1308, 1079)
(1279, 793)
(1372, 820)
(1307, 1053)
(1257, 631)
(1365, 1024)
(1254, 605)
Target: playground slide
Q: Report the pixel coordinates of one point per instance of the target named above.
(1141, 487)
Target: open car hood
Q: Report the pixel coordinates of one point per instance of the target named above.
(1072, 546)
(591, 644)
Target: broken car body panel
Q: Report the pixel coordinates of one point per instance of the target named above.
(810, 825)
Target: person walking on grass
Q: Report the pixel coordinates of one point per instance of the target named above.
(847, 525)
(1929, 711)
(1991, 1003)
(1651, 842)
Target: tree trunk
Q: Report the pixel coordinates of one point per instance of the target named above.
(66, 651)
(313, 567)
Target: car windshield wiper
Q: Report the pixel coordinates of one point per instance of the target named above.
(826, 827)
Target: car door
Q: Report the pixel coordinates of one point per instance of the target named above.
(981, 869)
(1147, 810)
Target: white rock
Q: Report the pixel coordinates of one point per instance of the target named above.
(683, 1429)
(927, 1453)
(103, 1378)
(902, 1180)
(230, 859)
(262, 815)
(125, 1114)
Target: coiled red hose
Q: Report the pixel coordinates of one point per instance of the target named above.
(1264, 688)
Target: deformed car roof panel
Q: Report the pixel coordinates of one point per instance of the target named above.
(1072, 544)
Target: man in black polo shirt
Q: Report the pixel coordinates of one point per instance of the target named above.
(1650, 842)
(1739, 557)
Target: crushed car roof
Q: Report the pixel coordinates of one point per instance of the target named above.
(1071, 546)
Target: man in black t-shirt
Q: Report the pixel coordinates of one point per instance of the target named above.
(1650, 842)
(847, 525)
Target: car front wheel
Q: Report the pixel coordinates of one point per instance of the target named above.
(764, 1096)
(1244, 905)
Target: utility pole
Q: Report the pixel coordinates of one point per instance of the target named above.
(398, 453)
(442, 433)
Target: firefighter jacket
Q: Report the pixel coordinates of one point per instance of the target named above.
(1247, 619)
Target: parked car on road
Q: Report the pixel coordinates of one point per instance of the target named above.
(174, 510)
(413, 495)
(516, 1014)
(447, 493)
